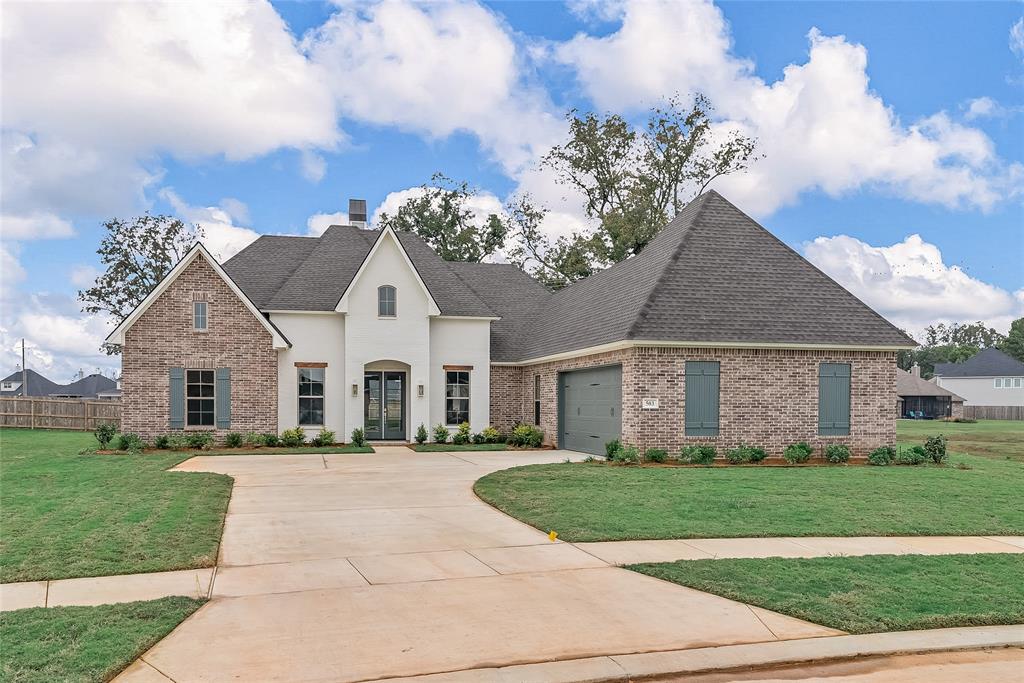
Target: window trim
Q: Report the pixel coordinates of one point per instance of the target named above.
(394, 301)
(205, 316)
(212, 399)
(299, 395)
(467, 399)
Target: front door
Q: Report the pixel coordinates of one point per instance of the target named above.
(384, 405)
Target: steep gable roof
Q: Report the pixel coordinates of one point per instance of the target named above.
(985, 363)
(382, 236)
(90, 385)
(37, 384)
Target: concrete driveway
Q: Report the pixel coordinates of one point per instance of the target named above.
(357, 567)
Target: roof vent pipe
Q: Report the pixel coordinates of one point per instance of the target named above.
(357, 212)
(915, 370)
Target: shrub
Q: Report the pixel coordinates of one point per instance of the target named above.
(491, 435)
(966, 420)
(798, 452)
(526, 436)
(915, 455)
(656, 455)
(325, 437)
(478, 438)
(293, 438)
(271, 440)
(162, 442)
(837, 453)
(255, 439)
(233, 440)
(884, 455)
(421, 434)
(105, 434)
(130, 442)
(199, 440)
(441, 434)
(627, 455)
(590, 458)
(611, 448)
(744, 453)
(358, 437)
(935, 446)
(697, 455)
(177, 442)
(462, 436)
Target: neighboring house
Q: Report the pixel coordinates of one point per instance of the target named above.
(988, 378)
(90, 386)
(920, 399)
(717, 332)
(38, 385)
(111, 394)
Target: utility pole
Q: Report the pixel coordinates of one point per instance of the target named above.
(24, 370)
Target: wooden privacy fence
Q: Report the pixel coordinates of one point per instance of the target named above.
(40, 412)
(994, 412)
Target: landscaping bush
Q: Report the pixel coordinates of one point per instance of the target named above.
(105, 434)
(271, 440)
(325, 437)
(441, 434)
(744, 454)
(491, 435)
(915, 455)
(293, 438)
(798, 452)
(462, 436)
(130, 442)
(526, 436)
(935, 446)
(837, 453)
(199, 440)
(697, 455)
(966, 420)
(177, 442)
(885, 455)
(358, 437)
(162, 442)
(233, 440)
(627, 455)
(611, 448)
(656, 455)
(255, 439)
(421, 434)
(479, 438)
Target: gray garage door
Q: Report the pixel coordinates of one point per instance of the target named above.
(591, 408)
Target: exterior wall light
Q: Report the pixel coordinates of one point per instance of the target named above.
(355, 389)
(419, 390)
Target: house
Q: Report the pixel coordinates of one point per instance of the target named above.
(717, 332)
(988, 378)
(920, 399)
(38, 385)
(89, 386)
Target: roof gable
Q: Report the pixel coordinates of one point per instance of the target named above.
(985, 363)
(197, 251)
(387, 236)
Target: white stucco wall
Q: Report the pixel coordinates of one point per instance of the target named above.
(461, 342)
(315, 338)
(981, 391)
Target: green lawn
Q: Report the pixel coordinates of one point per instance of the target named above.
(1000, 439)
(866, 594)
(451, 447)
(64, 515)
(42, 645)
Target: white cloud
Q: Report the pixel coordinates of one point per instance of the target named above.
(910, 284)
(319, 222)
(1017, 38)
(83, 276)
(11, 271)
(35, 226)
(819, 127)
(980, 107)
(481, 204)
(313, 166)
(221, 236)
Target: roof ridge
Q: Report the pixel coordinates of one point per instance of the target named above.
(470, 287)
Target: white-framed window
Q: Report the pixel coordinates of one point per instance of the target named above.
(199, 398)
(386, 301)
(200, 318)
(456, 397)
(311, 396)
(1018, 382)
(997, 383)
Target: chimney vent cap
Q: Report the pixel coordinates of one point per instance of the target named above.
(357, 212)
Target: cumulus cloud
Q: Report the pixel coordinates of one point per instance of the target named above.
(319, 222)
(11, 272)
(1017, 38)
(910, 283)
(35, 226)
(83, 276)
(820, 126)
(221, 236)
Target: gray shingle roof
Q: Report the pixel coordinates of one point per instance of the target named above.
(985, 363)
(90, 385)
(37, 384)
(908, 384)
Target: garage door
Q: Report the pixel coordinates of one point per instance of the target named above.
(591, 408)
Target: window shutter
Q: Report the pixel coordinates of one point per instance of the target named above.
(834, 399)
(177, 398)
(702, 381)
(223, 403)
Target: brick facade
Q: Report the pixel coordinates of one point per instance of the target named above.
(163, 338)
(767, 397)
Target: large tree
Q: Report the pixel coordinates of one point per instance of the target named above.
(952, 343)
(137, 253)
(1013, 344)
(441, 214)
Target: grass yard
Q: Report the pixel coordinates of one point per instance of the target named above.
(1000, 439)
(84, 643)
(452, 448)
(866, 594)
(65, 515)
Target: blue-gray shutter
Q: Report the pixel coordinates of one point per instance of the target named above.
(834, 399)
(702, 398)
(222, 406)
(177, 398)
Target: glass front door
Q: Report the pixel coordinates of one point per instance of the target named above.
(384, 405)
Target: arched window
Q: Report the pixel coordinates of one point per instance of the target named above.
(386, 301)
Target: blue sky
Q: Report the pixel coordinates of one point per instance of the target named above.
(893, 133)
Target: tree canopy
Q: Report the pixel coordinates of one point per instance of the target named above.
(952, 343)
